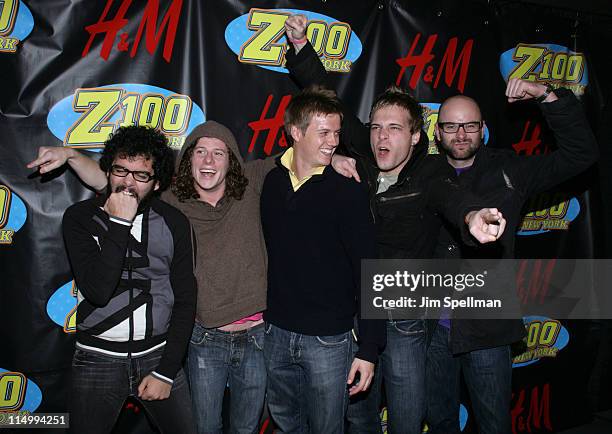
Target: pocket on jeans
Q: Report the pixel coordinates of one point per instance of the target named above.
(333, 341)
(258, 340)
(198, 335)
(409, 327)
(82, 358)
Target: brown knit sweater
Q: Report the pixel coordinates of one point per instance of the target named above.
(231, 258)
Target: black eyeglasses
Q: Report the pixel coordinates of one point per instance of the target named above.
(138, 175)
(453, 127)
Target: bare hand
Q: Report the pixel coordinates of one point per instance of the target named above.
(152, 389)
(522, 90)
(50, 158)
(295, 26)
(345, 166)
(123, 204)
(486, 225)
(366, 374)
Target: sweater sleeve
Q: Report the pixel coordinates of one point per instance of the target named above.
(256, 171)
(97, 265)
(184, 288)
(576, 148)
(359, 238)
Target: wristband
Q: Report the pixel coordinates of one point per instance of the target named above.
(547, 92)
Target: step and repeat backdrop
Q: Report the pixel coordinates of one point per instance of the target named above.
(75, 70)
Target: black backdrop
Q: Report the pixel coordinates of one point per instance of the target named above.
(75, 70)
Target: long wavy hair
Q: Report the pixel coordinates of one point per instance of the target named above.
(183, 184)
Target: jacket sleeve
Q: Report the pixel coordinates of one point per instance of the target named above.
(576, 148)
(306, 69)
(97, 266)
(184, 288)
(448, 199)
(359, 238)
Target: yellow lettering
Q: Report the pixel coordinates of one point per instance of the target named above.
(262, 47)
(8, 13)
(12, 390)
(97, 105)
(6, 236)
(529, 58)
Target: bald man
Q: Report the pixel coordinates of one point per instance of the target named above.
(481, 348)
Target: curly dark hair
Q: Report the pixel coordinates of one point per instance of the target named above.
(140, 141)
(183, 184)
(396, 96)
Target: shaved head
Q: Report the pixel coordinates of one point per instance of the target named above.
(460, 146)
(460, 103)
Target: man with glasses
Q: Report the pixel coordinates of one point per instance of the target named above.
(409, 192)
(132, 258)
(481, 348)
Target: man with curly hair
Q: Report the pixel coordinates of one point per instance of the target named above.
(132, 258)
(220, 194)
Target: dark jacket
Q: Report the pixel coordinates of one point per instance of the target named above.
(506, 181)
(316, 237)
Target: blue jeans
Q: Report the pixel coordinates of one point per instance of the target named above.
(488, 376)
(101, 384)
(403, 367)
(307, 390)
(218, 358)
(363, 413)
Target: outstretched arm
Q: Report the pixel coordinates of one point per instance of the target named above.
(52, 157)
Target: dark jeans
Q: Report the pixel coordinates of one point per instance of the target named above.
(402, 366)
(218, 358)
(101, 384)
(307, 390)
(488, 376)
(363, 414)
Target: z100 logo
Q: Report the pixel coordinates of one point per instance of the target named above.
(259, 38)
(546, 63)
(13, 214)
(545, 338)
(16, 23)
(62, 307)
(546, 219)
(18, 393)
(87, 118)
(430, 119)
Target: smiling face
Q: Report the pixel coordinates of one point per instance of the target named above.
(391, 138)
(315, 146)
(129, 185)
(460, 147)
(209, 166)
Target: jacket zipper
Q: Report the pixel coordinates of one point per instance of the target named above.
(403, 196)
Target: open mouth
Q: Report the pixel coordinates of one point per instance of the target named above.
(327, 151)
(208, 172)
(382, 151)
